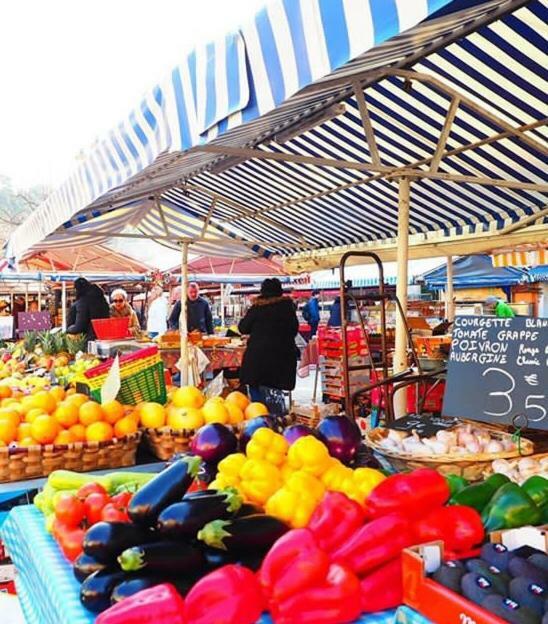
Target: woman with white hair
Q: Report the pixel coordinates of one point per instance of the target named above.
(120, 308)
(157, 313)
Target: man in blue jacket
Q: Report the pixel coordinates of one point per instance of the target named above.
(311, 312)
(198, 312)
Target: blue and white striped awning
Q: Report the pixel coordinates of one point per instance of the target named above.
(295, 59)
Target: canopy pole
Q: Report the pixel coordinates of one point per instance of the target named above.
(40, 294)
(400, 354)
(449, 302)
(183, 327)
(26, 296)
(64, 305)
(222, 305)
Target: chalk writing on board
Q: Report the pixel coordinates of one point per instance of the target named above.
(498, 369)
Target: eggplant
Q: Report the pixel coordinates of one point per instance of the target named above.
(186, 518)
(168, 487)
(133, 584)
(162, 558)
(216, 558)
(104, 541)
(96, 590)
(243, 535)
(248, 509)
(85, 565)
(201, 494)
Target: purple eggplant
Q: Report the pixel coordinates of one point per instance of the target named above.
(251, 426)
(294, 432)
(214, 442)
(341, 436)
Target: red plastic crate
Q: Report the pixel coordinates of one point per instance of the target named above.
(111, 328)
(434, 397)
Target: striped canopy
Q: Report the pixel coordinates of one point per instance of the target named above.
(290, 135)
(521, 257)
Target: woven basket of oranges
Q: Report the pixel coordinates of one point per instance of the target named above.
(52, 429)
(169, 429)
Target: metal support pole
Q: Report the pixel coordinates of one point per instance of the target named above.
(183, 328)
(40, 295)
(26, 296)
(64, 305)
(400, 354)
(449, 303)
(222, 305)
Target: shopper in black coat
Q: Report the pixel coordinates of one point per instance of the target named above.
(270, 360)
(91, 303)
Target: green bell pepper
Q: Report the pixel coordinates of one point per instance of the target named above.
(456, 483)
(478, 495)
(509, 508)
(537, 488)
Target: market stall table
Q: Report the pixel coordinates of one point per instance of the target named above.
(219, 357)
(49, 593)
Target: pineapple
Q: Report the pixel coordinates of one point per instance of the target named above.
(30, 341)
(60, 342)
(77, 343)
(47, 341)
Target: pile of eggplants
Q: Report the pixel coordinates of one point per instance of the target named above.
(174, 536)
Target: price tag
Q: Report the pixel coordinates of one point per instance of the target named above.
(112, 385)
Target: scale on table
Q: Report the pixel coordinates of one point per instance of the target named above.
(111, 348)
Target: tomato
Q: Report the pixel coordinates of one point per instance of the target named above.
(90, 488)
(94, 504)
(110, 513)
(71, 542)
(70, 510)
(121, 501)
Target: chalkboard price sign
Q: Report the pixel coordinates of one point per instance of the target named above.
(424, 426)
(498, 371)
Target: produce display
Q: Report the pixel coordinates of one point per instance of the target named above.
(519, 470)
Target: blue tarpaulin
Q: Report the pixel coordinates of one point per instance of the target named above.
(475, 271)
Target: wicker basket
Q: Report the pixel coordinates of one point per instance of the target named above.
(488, 471)
(470, 466)
(17, 464)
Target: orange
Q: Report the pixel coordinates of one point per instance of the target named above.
(66, 414)
(255, 409)
(9, 401)
(99, 432)
(58, 393)
(125, 426)
(45, 401)
(27, 403)
(5, 392)
(90, 412)
(114, 411)
(184, 418)
(24, 431)
(215, 412)
(77, 398)
(238, 398)
(188, 396)
(235, 413)
(153, 415)
(64, 437)
(8, 431)
(78, 432)
(44, 429)
(33, 413)
(17, 394)
(9, 414)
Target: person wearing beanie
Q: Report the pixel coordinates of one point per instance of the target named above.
(90, 304)
(269, 364)
(498, 307)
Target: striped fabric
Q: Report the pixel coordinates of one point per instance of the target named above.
(297, 58)
(521, 258)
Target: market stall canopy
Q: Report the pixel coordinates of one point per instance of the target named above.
(475, 271)
(290, 135)
(528, 255)
(264, 267)
(92, 258)
(538, 273)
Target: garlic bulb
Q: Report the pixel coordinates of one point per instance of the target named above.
(494, 446)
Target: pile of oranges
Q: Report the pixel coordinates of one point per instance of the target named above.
(58, 417)
(189, 409)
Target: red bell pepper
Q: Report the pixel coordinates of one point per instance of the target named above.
(336, 600)
(458, 526)
(374, 544)
(227, 595)
(294, 563)
(413, 494)
(383, 588)
(160, 604)
(335, 520)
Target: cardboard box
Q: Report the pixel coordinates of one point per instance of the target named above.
(440, 604)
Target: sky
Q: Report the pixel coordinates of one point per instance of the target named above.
(69, 70)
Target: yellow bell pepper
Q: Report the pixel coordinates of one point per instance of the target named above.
(310, 455)
(230, 468)
(366, 479)
(303, 482)
(286, 471)
(220, 483)
(333, 477)
(269, 445)
(295, 508)
(259, 480)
